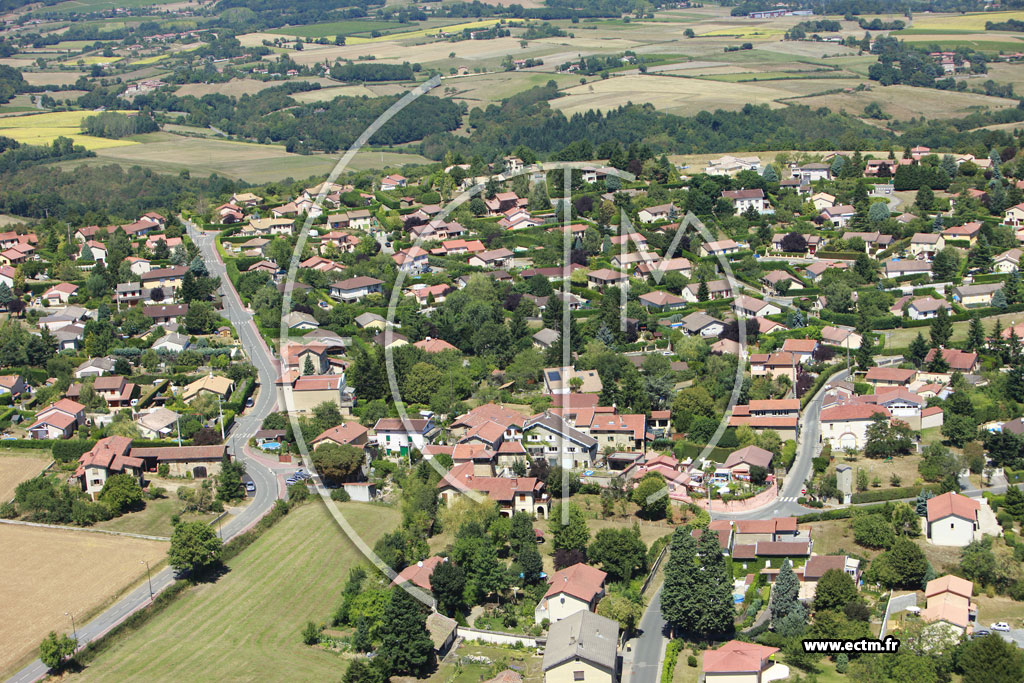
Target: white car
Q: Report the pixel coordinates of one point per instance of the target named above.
(1000, 626)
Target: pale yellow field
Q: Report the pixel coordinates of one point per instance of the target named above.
(966, 22)
(904, 102)
(47, 572)
(42, 129)
(746, 32)
(50, 77)
(394, 52)
(14, 470)
(149, 60)
(421, 33)
(327, 94)
(89, 61)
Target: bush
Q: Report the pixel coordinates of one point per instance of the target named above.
(8, 511)
(163, 470)
(1005, 519)
(298, 492)
(691, 661)
(893, 493)
(71, 450)
(340, 495)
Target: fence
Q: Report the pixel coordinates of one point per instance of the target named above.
(654, 568)
(896, 604)
(499, 637)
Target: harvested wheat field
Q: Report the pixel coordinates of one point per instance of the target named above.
(47, 572)
(16, 469)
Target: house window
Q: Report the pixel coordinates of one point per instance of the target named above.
(577, 675)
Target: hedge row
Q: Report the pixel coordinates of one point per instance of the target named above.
(840, 513)
(819, 382)
(880, 495)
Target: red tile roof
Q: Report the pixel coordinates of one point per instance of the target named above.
(738, 657)
(952, 504)
(580, 581)
(419, 573)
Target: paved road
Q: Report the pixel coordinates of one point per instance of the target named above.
(649, 646)
(245, 426)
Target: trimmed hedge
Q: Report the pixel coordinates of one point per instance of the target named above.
(841, 513)
(71, 450)
(819, 382)
(879, 495)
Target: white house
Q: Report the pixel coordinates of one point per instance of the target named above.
(396, 436)
(574, 589)
(744, 200)
(952, 519)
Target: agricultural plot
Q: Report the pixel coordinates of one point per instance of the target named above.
(246, 625)
(42, 129)
(47, 572)
(904, 102)
(15, 469)
(50, 77)
(990, 42)
(685, 96)
(390, 51)
(338, 28)
(963, 22)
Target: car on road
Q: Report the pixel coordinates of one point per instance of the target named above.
(387, 244)
(1000, 626)
(250, 486)
(981, 633)
(250, 402)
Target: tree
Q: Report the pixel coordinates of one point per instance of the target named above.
(620, 552)
(195, 548)
(56, 649)
(941, 329)
(362, 670)
(6, 295)
(310, 634)
(864, 357)
(200, 318)
(405, 647)
(872, 530)
(447, 583)
(623, 610)
(714, 588)
(835, 591)
(903, 566)
(121, 493)
(521, 532)
(229, 481)
(959, 429)
(702, 290)
(677, 593)
(785, 595)
(336, 463)
(918, 351)
(531, 564)
(991, 660)
(649, 486)
(572, 535)
(975, 334)
(946, 264)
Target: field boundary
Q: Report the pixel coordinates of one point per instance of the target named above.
(60, 527)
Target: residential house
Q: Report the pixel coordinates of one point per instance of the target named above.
(751, 307)
(731, 165)
(582, 647)
(890, 377)
(110, 456)
(774, 279)
(172, 342)
(717, 289)
(904, 267)
(873, 241)
(544, 338)
(839, 215)
(976, 295)
(393, 182)
(165, 279)
(654, 214)
(1008, 261)
(512, 494)
(297, 320)
(163, 314)
(95, 367)
(662, 301)
(703, 324)
(740, 662)
(740, 462)
(1014, 216)
(922, 308)
(356, 288)
(813, 172)
(58, 420)
(845, 426)
(268, 226)
(926, 244)
(210, 384)
(605, 277)
(948, 601)
(719, 248)
(574, 589)
(412, 260)
(843, 337)
(802, 349)
(958, 361)
(302, 393)
(967, 231)
(822, 201)
(159, 423)
(60, 293)
(494, 258)
(745, 200)
(246, 199)
(570, 380)
(345, 434)
(434, 345)
(952, 519)
(773, 365)
(397, 436)
(549, 436)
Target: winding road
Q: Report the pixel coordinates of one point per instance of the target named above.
(649, 646)
(245, 426)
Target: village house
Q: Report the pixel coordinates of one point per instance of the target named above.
(356, 288)
(58, 420)
(746, 200)
(302, 393)
(740, 662)
(802, 349)
(926, 244)
(654, 214)
(717, 289)
(952, 519)
(166, 279)
(582, 647)
(397, 436)
(948, 601)
(549, 436)
(719, 248)
(750, 307)
(209, 384)
(772, 365)
(890, 377)
(972, 296)
(838, 215)
(512, 494)
(574, 589)
(845, 426)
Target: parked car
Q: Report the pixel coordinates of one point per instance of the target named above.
(981, 633)
(1000, 626)
(290, 480)
(250, 402)
(250, 486)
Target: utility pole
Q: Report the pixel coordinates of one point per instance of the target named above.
(221, 411)
(74, 629)
(149, 577)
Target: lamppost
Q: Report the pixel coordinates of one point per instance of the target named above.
(74, 629)
(149, 577)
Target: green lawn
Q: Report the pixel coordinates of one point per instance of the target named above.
(154, 520)
(346, 28)
(246, 625)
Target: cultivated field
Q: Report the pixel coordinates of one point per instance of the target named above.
(963, 22)
(47, 572)
(253, 162)
(904, 102)
(685, 96)
(246, 625)
(15, 469)
(42, 129)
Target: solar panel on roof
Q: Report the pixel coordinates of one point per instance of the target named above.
(554, 376)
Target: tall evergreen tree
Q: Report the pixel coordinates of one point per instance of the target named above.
(714, 589)
(1012, 288)
(975, 334)
(864, 357)
(677, 594)
(447, 583)
(406, 648)
(702, 290)
(941, 328)
(918, 351)
(785, 593)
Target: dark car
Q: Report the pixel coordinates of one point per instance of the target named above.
(981, 633)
